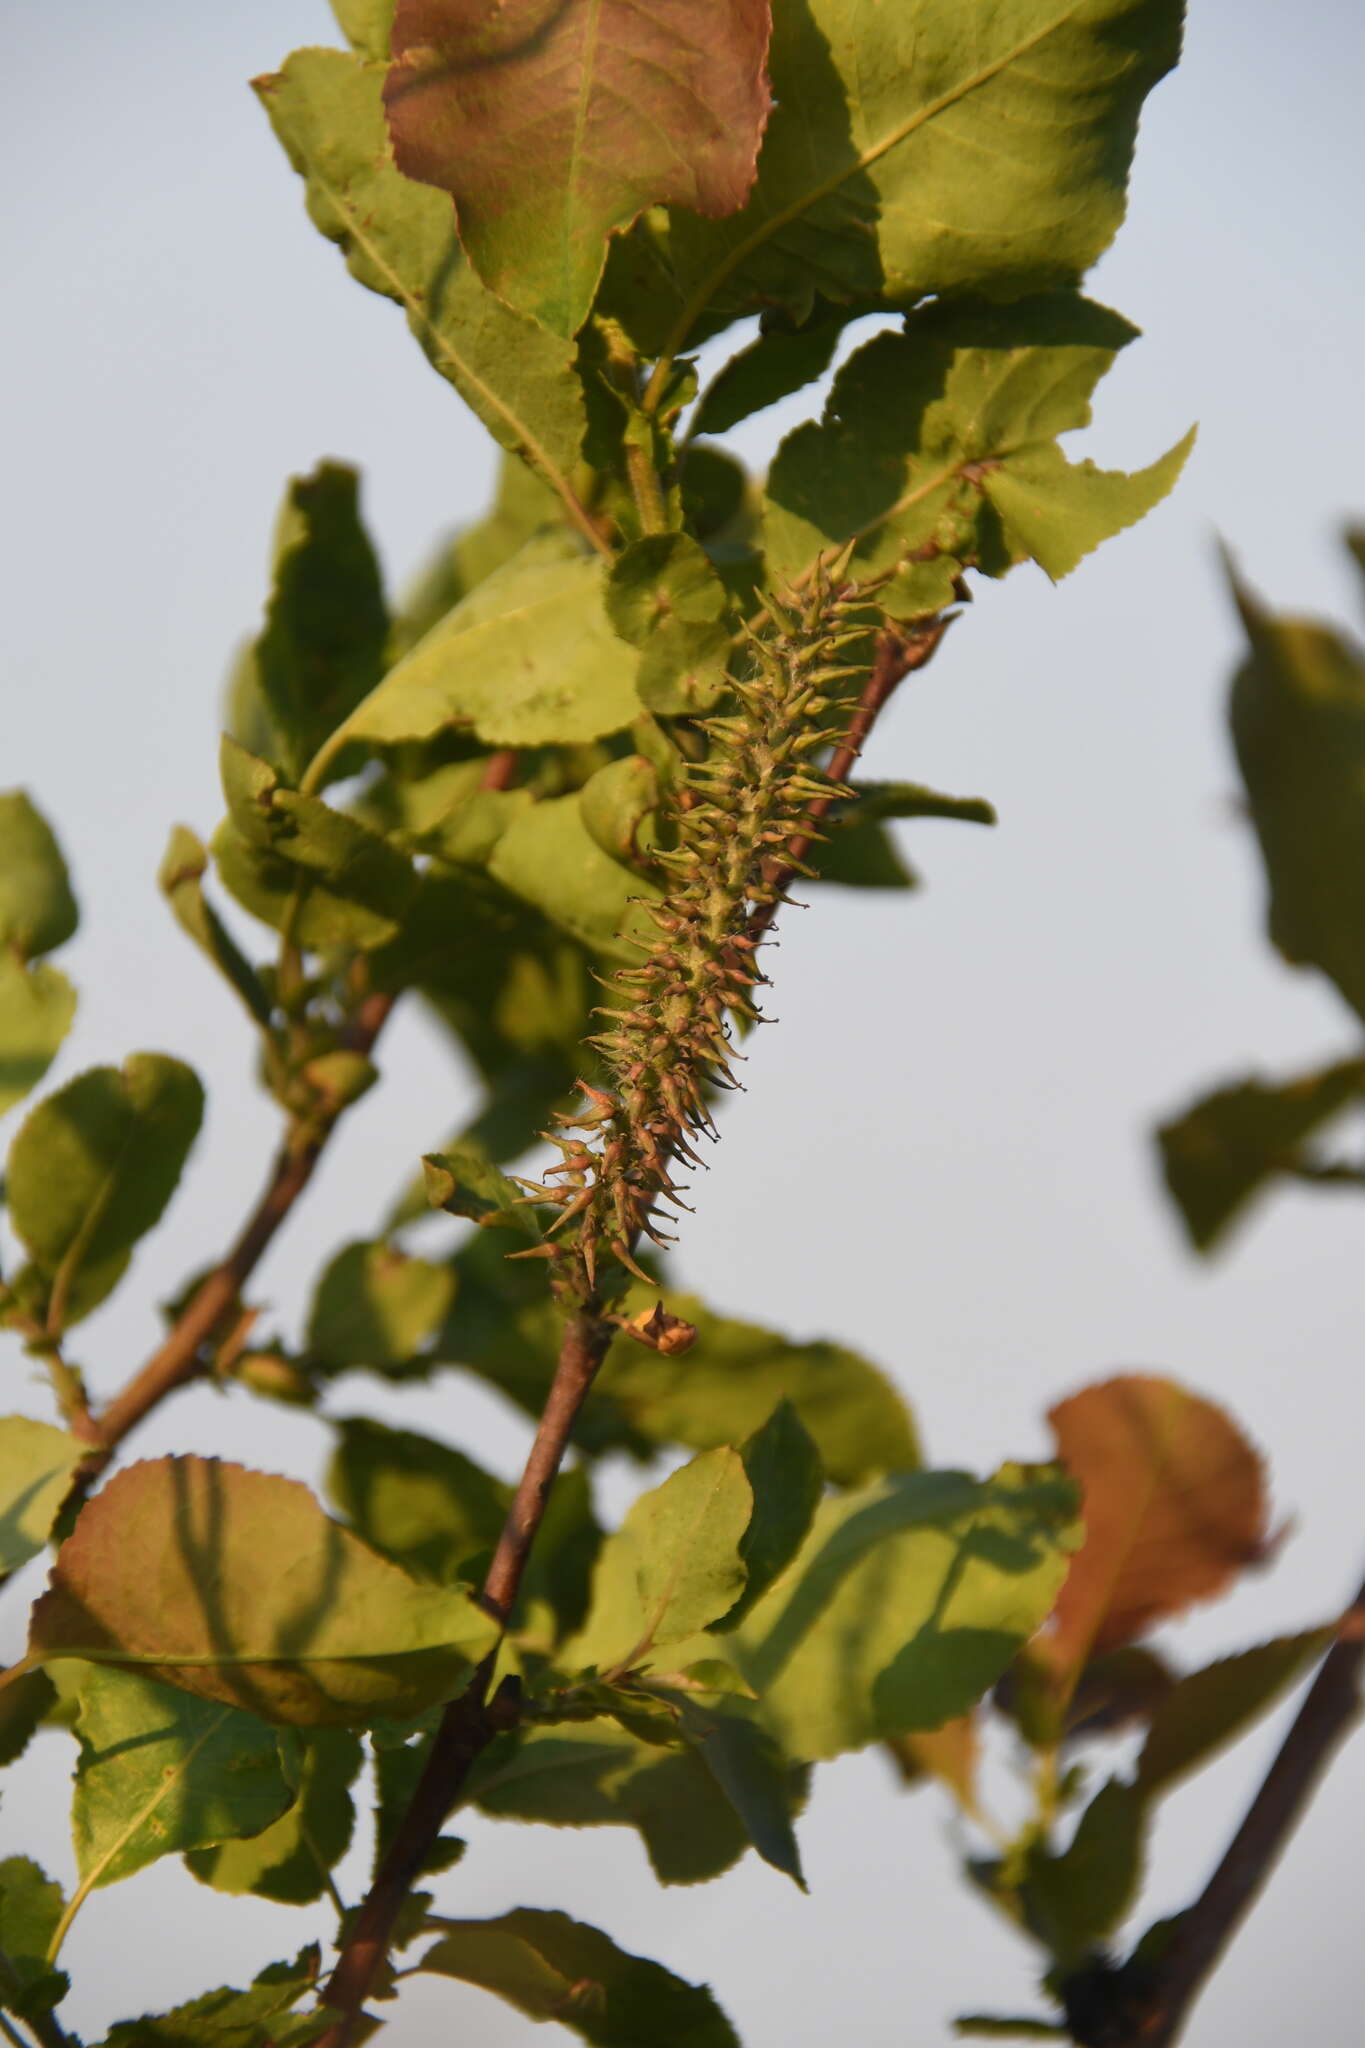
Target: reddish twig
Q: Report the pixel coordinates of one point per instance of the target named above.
(179, 1360)
(900, 650)
(470, 1722)
(499, 769)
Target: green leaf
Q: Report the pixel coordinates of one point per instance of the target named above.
(1203, 1712)
(686, 1537)
(728, 1384)
(289, 1860)
(751, 1771)
(161, 1771)
(463, 1183)
(450, 815)
(553, 1968)
(718, 505)
(785, 1474)
(399, 239)
(627, 106)
(1073, 1900)
(617, 806)
(923, 432)
(94, 1165)
(235, 2019)
(523, 504)
(664, 597)
(163, 1571)
(1227, 1149)
(36, 1464)
(376, 1307)
(984, 2026)
(183, 867)
(548, 857)
(37, 1005)
(25, 1702)
(597, 1774)
(31, 1908)
(720, 1391)
(674, 1566)
(426, 1506)
(557, 1585)
(1298, 723)
(905, 1604)
(515, 993)
(37, 909)
(915, 800)
(783, 358)
(860, 854)
(935, 146)
(355, 888)
(366, 24)
(329, 919)
(1354, 537)
(326, 625)
(1057, 511)
(527, 659)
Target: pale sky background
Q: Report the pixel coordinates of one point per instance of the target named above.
(970, 1196)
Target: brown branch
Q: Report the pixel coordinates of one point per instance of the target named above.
(900, 650)
(178, 1360)
(1332, 1707)
(1146, 2004)
(470, 1722)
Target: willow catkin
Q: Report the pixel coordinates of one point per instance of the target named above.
(666, 1038)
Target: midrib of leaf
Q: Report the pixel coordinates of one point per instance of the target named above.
(586, 81)
(144, 1813)
(1121, 1561)
(537, 454)
(227, 1660)
(729, 263)
(921, 491)
(653, 1621)
(65, 1276)
(331, 747)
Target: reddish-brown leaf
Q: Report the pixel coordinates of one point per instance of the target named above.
(553, 122)
(1174, 1506)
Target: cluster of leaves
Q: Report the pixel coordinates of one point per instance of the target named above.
(1176, 1508)
(1298, 726)
(593, 724)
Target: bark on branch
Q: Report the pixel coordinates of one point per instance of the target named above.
(180, 1358)
(470, 1722)
(1142, 2005)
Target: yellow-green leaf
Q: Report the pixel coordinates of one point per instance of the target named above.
(36, 1464)
(235, 1586)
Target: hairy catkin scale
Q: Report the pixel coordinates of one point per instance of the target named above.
(666, 1036)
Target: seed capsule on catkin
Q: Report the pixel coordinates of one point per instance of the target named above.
(734, 825)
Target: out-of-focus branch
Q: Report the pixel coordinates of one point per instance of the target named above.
(1147, 2005)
